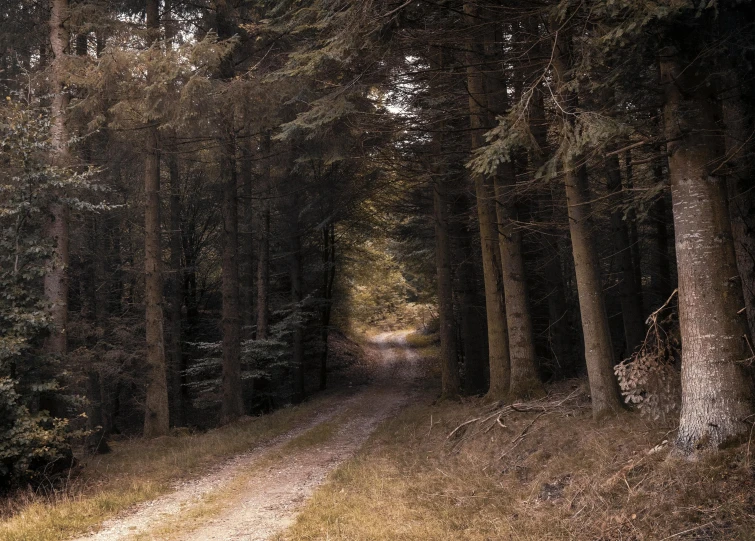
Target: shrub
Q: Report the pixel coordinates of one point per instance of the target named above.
(650, 379)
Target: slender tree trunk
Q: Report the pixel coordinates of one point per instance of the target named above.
(525, 381)
(177, 361)
(498, 343)
(232, 402)
(450, 383)
(156, 415)
(296, 298)
(97, 439)
(177, 364)
(472, 309)
(597, 335)
(263, 256)
(716, 385)
(631, 299)
(329, 274)
(246, 242)
(56, 276)
(156, 419)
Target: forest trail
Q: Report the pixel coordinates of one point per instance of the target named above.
(258, 494)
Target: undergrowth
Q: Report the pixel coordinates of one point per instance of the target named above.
(134, 472)
(540, 473)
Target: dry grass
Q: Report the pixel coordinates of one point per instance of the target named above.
(562, 476)
(216, 502)
(421, 340)
(427, 346)
(137, 471)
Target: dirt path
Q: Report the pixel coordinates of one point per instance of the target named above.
(257, 494)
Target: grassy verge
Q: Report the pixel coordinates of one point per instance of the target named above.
(552, 476)
(216, 502)
(420, 340)
(137, 471)
(427, 346)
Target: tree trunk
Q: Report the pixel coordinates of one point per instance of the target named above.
(498, 343)
(246, 242)
(97, 439)
(263, 256)
(156, 415)
(296, 298)
(716, 385)
(232, 402)
(599, 353)
(329, 274)
(450, 383)
(525, 381)
(631, 299)
(177, 361)
(177, 364)
(471, 308)
(56, 276)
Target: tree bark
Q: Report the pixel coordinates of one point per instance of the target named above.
(56, 276)
(525, 382)
(232, 403)
(450, 382)
(263, 256)
(97, 438)
(716, 385)
(177, 362)
(156, 414)
(599, 353)
(498, 343)
(246, 242)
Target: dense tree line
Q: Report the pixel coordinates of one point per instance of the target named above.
(184, 181)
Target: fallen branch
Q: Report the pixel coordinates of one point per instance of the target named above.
(462, 425)
(490, 419)
(527, 428)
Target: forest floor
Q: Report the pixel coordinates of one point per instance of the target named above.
(540, 470)
(256, 494)
(378, 459)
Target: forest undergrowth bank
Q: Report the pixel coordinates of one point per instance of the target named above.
(538, 470)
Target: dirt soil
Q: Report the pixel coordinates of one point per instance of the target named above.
(256, 505)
